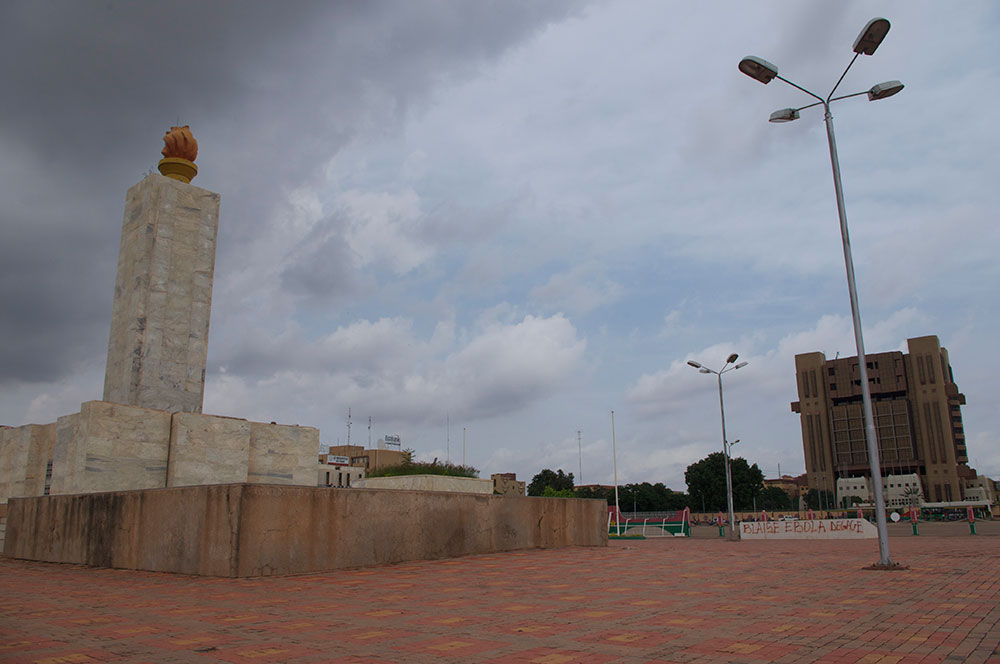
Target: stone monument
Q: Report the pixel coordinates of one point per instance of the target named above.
(149, 431)
(144, 480)
(163, 292)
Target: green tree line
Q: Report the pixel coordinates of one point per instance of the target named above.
(706, 484)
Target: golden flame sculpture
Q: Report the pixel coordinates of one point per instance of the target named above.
(180, 149)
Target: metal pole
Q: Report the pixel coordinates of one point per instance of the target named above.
(866, 397)
(579, 448)
(614, 461)
(729, 478)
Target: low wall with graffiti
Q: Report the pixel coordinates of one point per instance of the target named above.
(809, 529)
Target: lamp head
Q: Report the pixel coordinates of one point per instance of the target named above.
(694, 364)
(871, 36)
(784, 115)
(731, 358)
(758, 69)
(704, 370)
(741, 364)
(883, 90)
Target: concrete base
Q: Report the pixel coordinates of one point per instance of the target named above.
(245, 530)
(115, 447)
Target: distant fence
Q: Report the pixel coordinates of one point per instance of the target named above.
(660, 524)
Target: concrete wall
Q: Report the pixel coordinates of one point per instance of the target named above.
(163, 296)
(809, 529)
(282, 454)
(110, 447)
(260, 530)
(429, 483)
(24, 454)
(114, 447)
(41, 447)
(205, 449)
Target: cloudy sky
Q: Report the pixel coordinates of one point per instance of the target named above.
(509, 219)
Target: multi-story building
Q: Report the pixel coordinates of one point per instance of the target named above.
(918, 422)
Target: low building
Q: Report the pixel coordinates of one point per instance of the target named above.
(369, 459)
(981, 488)
(790, 485)
(507, 484)
(337, 471)
(898, 491)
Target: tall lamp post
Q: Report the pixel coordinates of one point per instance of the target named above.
(762, 70)
(726, 445)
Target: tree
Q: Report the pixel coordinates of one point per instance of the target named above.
(706, 481)
(850, 501)
(597, 492)
(557, 480)
(410, 467)
(912, 496)
(644, 497)
(820, 499)
(558, 493)
(774, 498)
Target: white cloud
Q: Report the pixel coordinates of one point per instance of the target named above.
(383, 368)
(380, 228)
(578, 291)
(65, 398)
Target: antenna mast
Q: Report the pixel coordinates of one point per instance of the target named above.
(579, 447)
(348, 426)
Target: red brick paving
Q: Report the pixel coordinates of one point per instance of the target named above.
(666, 600)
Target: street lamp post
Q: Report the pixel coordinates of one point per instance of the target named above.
(726, 445)
(761, 70)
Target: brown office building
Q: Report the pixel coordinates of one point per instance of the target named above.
(918, 420)
(370, 459)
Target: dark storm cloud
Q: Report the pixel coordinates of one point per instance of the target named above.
(271, 91)
(321, 268)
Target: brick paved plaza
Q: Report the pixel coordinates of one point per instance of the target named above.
(662, 600)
